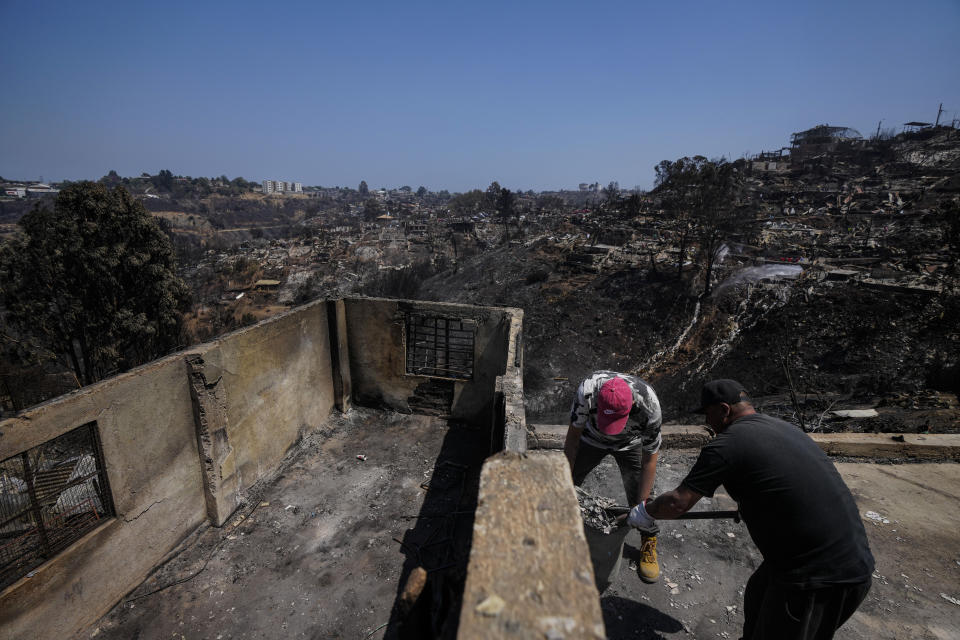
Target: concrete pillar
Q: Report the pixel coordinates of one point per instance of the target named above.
(530, 574)
(339, 354)
(217, 462)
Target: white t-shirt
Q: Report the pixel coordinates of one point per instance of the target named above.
(643, 424)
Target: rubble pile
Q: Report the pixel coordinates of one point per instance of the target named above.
(594, 510)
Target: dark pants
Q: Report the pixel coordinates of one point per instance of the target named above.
(630, 463)
(775, 611)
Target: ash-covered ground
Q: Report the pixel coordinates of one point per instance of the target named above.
(910, 517)
(323, 550)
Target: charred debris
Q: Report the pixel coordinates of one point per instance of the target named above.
(837, 288)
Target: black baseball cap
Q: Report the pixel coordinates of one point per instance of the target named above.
(724, 390)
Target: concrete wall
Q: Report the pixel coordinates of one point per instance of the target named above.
(377, 355)
(145, 420)
(257, 391)
(278, 385)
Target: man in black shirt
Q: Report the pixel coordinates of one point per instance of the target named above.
(817, 565)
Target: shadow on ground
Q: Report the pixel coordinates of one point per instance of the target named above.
(626, 618)
(437, 547)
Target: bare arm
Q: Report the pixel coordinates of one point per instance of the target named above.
(672, 504)
(572, 444)
(647, 474)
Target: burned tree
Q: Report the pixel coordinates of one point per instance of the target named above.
(506, 210)
(719, 215)
(676, 186)
(611, 194)
(703, 198)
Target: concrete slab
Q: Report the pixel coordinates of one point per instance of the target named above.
(939, 446)
(932, 446)
(552, 436)
(500, 599)
(912, 516)
(855, 413)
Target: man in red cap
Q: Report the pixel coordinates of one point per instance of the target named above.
(618, 414)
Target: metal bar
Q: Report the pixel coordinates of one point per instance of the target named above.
(622, 511)
(446, 342)
(436, 340)
(37, 514)
(710, 515)
(103, 486)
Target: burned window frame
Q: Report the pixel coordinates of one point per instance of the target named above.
(55, 498)
(439, 346)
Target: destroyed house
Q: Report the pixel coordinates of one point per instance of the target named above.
(266, 285)
(820, 139)
(462, 226)
(102, 485)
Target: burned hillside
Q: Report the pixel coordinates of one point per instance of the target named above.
(842, 293)
(835, 278)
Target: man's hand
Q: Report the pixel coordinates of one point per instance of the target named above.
(639, 518)
(673, 504)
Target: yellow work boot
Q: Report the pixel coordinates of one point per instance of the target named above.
(649, 568)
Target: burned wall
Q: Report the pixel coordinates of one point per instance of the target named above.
(146, 427)
(277, 384)
(530, 573)
(182, 438)
(378, 358)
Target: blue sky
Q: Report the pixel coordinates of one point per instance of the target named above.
(536, 95)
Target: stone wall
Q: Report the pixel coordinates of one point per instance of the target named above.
(184, 437)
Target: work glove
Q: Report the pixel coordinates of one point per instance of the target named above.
(639, 518)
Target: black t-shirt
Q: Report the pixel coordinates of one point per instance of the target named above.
(796, 506)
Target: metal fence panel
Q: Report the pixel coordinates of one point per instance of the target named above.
(50, 496)
(440, 347)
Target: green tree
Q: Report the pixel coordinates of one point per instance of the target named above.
(422, 191)
(112, 178)
(94, 281)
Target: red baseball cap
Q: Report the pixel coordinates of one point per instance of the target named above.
(613, 406)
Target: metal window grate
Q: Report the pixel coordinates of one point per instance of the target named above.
(50, 496)
(440, 347)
